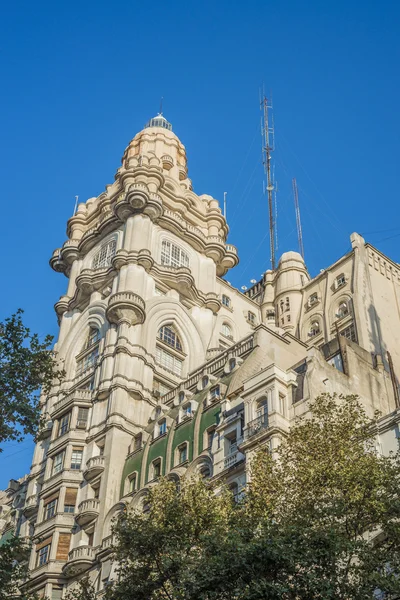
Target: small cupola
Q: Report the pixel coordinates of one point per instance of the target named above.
(159, 121)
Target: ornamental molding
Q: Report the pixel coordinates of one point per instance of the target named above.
(144, 190)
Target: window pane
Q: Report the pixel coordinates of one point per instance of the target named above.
(168, 361)
(76, 459)
(173, 256)
(105, 255)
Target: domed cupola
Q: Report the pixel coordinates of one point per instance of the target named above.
(159, 121)
(157, 145)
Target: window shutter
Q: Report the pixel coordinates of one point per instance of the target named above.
(64, 541)
(50, 498)
(45, 542)
(70, 496)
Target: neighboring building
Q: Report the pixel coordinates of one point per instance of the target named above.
(171, 370)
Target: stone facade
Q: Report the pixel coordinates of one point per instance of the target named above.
(171, 370)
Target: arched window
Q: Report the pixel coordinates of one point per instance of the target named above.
(232, 363)
(343, 310)
(105, 255)
(173, 255)
(226, 330)
(315, 329)
(262, 408)
(204, 381)
(93, 337)
(89, 355)
(168, 335)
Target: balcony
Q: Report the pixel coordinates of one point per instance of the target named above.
(234, 456)
(106, 546)
(79, 560)
(88, 511)
(259, 424)
(126, 307)
(31, 505)
(94, 467)
(84, 397)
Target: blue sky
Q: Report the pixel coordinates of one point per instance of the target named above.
(79, 79)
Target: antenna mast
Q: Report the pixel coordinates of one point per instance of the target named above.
(298, 220)
(267, 132)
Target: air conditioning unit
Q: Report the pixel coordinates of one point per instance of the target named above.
(81, 424)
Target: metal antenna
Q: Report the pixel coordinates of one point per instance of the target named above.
(225, 205)
(76, 204)
(268, 147)
(298, 220)
(161, 103)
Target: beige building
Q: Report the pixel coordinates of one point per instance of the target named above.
(172, 370)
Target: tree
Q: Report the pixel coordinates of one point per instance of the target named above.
(331, 502)
(14, 555)
(320, 520)
(26, 365)
(159, 550)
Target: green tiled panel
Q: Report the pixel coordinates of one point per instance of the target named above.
(157, 449)
(208, 418)
(134, 463)
(184, 433)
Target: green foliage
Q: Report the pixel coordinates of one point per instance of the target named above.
(159, 551)
(331, 502)
(320, 520)
(26, 365)
(14, 555)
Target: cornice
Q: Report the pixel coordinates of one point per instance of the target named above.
(143, 190)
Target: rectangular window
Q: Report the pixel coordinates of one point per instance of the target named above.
(183, 453)
(226, 301)
(76, 459)
(87, 361)
(168, 361)
(350, 333)
(69, 508)
(162, 428)
(50, 509)
(58, 462)
(43, 555)
(104, 256)
(83, 415)
(251, 317)
(282, 404)
(63, 424)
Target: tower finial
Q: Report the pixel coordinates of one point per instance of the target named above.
(161, 103)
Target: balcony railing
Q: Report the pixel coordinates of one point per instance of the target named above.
(88, 511)
(79, 560)
(258, 424)
(82, 552)
(94, 466)
(231, 459)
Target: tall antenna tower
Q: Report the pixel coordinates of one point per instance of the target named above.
(298, 220)
(267, 132)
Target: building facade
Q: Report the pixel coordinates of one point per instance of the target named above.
(171, 370)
